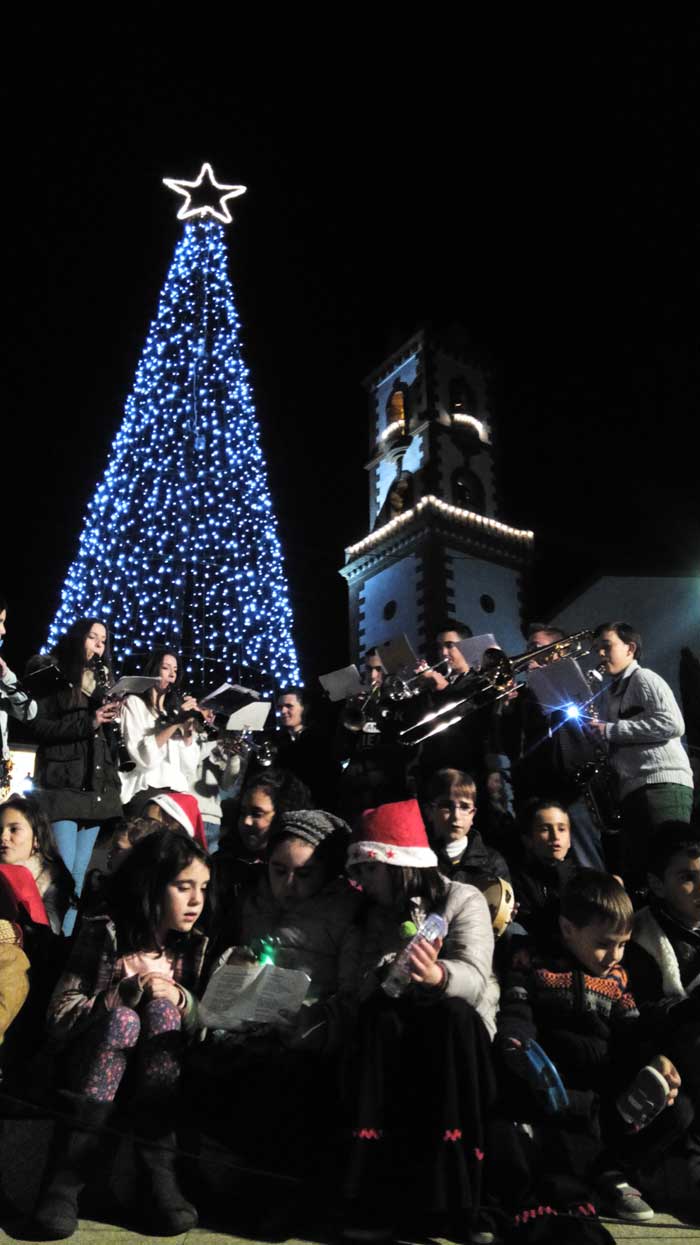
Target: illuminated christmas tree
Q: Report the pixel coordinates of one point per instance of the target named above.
(180, 542)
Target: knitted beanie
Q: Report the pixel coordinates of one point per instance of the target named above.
(312, 825)
(393, 834)
(185, 810)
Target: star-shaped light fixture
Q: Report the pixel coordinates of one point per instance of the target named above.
(208, 188)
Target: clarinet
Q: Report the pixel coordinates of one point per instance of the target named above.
(173, 713)
(113, 730)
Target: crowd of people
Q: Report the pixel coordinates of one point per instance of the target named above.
(454, 986)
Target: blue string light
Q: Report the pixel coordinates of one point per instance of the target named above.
(180, 538)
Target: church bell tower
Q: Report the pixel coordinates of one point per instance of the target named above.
(436, 547)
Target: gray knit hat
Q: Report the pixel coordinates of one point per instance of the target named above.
(310, 824)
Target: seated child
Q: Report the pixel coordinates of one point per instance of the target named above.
(240, 860)
(449, 811)
(664, 960)
(419, 1079)
(277, 1079)
(571, 996)
(128, 999)
(14, 965)
(547, 865)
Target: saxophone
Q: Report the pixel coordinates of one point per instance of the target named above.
(596, 779)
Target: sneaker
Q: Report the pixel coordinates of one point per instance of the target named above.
(483, 1230)
(644, 1099)
(621, 1201)
(482, 1236)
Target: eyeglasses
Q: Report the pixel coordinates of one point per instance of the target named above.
(454, 806)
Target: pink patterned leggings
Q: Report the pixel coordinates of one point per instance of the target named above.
(153, 1033)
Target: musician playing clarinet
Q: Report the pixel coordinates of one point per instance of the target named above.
(77, 780)
(159, 734)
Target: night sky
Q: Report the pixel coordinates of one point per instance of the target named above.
(537, 186)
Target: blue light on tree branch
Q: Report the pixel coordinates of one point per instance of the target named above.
(180, 541)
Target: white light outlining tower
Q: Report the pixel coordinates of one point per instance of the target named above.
(436, 547)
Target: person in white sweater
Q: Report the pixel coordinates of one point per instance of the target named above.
(165, 756)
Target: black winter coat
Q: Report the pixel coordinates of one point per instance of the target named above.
(479, 861)
(76, 773)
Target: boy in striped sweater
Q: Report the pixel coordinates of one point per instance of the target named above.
(572, 997)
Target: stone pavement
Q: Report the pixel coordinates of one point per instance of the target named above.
(23, 1146)
(663, 1231)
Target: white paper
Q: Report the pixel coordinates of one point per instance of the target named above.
(397, 654)
(229, 687)
(133, 685)
(473, 648)
(250, 717)
(341, 684)
(242, 994)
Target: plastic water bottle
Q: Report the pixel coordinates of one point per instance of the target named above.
(399, 976)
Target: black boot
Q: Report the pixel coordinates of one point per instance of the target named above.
(75, 1151)
(168, 1210)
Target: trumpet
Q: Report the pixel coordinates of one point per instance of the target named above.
(242, 743)
(397, 687)
(495, 680)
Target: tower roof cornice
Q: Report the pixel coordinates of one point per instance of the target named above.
(477, 530)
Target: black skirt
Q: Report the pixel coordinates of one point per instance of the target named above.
(419, 1084)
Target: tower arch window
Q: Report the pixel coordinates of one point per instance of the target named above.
(463, 399)
(468, 490)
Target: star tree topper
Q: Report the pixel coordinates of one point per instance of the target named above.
(208, 187)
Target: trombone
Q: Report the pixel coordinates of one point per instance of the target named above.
(493, 682)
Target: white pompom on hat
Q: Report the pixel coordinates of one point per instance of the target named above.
(393, 834)
(185, 810)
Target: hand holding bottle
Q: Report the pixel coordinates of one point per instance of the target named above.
(417, 961)
(423, 961)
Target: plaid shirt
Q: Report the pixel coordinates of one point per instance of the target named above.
(90, 984)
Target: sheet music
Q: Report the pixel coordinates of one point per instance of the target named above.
(241, 994)
(341, 684)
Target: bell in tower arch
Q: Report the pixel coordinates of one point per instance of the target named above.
(396, 408)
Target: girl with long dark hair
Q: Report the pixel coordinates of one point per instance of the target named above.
(165, 754)
(27, 840)
(128, 997)
(76, 773)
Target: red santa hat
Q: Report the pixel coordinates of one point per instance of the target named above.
(185, 810)
(393, 834)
